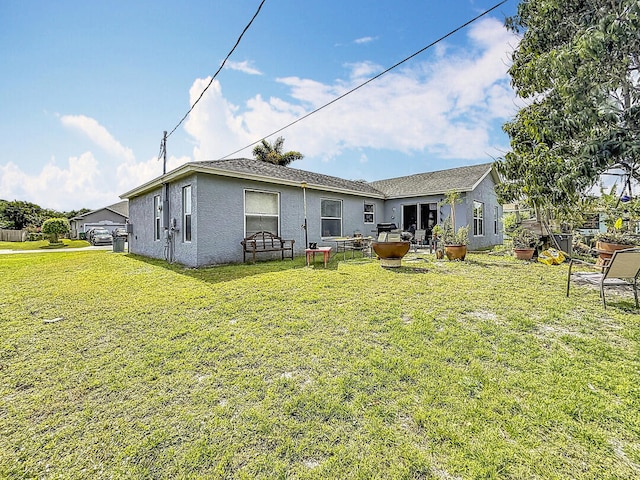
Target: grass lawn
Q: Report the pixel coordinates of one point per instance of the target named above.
(480, 369)
(42, 244)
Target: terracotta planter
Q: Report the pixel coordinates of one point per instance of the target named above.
(391, 253)
(523, 253)
(605, 251)
(455, 252)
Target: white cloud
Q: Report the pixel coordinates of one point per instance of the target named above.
(69, 187)
(214, 123)
(245, 67)
(364, 40)
(362, 71)
(449, 107)
(97, 134)
(85, 181)
(133, 174)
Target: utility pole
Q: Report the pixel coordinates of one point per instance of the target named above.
(164, 153)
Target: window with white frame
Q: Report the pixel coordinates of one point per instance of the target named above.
(331, 217)
(369, 213)
(186, 213)
(496, 212)
(157, 209)
(261, 212)
(478, 218)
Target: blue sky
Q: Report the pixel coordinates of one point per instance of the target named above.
(88, 87)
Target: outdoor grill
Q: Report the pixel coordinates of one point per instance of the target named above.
(386, 227)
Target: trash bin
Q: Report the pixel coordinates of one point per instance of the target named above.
(118, 244)
(83, 236)
(565, 242)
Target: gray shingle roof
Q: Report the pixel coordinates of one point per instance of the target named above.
(289, 174)
(121, 208)
(462, 179)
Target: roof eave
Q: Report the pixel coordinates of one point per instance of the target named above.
(491, 171)
(425, 194)
(190, 168)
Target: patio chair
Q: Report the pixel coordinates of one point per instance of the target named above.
(621, 270)
(418, 239)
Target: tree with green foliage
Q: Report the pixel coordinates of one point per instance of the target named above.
(266, 152)
(76, 213)
(55, 227)
(577, 66)
(17, 214)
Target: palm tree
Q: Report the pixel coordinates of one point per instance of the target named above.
(266, 152)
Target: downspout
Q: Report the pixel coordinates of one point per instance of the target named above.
(168, 234)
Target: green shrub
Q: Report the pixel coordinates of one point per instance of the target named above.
(55, 227)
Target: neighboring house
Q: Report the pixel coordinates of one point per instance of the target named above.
(199, 213)
(111, 217)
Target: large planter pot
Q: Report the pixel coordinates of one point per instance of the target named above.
(605, 251)
(391, 253)
(455, 252)
(523, 253)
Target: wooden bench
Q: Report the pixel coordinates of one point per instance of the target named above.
(265, 242)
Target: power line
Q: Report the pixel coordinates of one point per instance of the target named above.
(219, 69)
(372, 78)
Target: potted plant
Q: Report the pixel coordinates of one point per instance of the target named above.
(619, 213)
(614, 239)
(455, 242)
(525, 243)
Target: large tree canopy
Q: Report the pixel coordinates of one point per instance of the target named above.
(17, 214)
(577, 65)
(266, 152)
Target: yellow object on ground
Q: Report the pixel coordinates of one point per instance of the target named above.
(551, 257)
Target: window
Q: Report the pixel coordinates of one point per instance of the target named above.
(186, 213)
(157, 208)
(496, 212)
(478, 218)
(331, 218)
(368, 213)
(261, 212)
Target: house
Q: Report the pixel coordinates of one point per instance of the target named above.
(111, 217)
(199, 213)
(418, 200)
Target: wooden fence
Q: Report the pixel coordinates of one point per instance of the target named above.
(13, 235)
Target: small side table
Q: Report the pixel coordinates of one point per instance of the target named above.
(326, 251)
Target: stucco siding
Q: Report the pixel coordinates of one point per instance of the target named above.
(141, 218)
(484, 193)
(221, 217)
(218, 219)
(218, 216)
